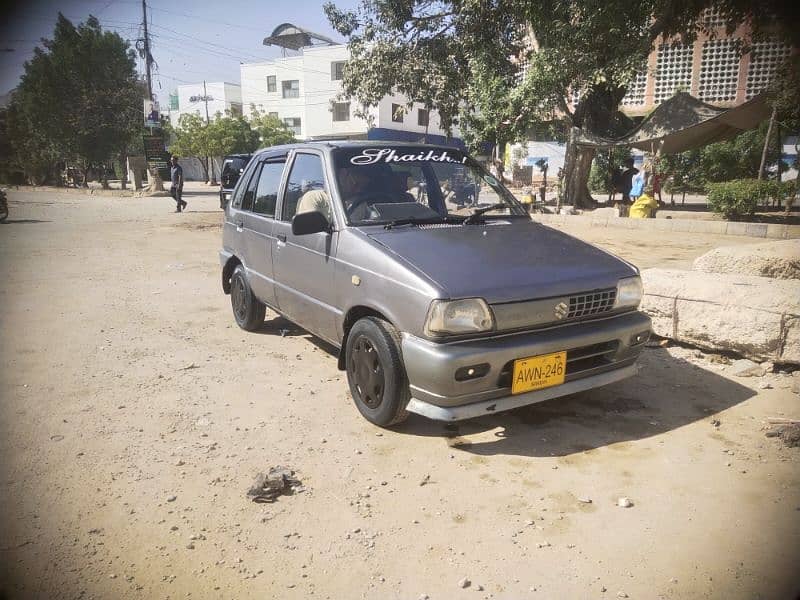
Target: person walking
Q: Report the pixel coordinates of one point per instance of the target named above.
(176, 190)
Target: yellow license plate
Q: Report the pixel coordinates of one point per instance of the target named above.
(537, 372)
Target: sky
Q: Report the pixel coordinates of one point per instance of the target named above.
(190, 41)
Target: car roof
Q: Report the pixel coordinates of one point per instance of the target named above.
(327, 145)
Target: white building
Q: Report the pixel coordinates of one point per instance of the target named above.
(301, 89)
(221, 97)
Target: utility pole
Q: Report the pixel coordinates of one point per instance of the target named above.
(148, 60)
(155, 184)
(209, 159)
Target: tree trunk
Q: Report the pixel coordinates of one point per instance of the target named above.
(154, 182)
(123, 165)
(204, 166)
(766, 145)
(577, 165)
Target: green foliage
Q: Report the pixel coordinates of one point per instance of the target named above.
(78, 100)
(604, 165)
(738, 158)
(269, 130)
(740, 198)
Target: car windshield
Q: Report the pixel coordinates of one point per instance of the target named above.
(384, 185)
(231, 169)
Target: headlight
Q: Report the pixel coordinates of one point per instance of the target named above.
(459, 316)
(629, 292)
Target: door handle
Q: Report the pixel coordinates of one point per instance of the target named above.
(281, 238)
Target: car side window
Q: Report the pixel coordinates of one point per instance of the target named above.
(305, 188)
(266, 194)
(244, 183)
(250, 191)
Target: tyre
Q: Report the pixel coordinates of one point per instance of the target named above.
(248, 310)
(375, 372)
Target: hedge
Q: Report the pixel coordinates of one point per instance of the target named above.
(741, 197)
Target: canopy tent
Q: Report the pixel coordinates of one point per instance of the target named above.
(685, 123)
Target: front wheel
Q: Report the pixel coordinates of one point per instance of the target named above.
(248, 310)
(375, 372)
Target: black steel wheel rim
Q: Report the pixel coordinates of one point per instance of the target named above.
(238, 296)
(366, 373)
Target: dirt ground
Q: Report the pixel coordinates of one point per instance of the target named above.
(135, 414)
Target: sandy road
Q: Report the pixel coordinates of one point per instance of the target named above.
(134, 415)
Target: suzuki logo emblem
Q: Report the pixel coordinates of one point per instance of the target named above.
(561, 310)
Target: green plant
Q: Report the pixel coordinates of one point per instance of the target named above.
(741, 197)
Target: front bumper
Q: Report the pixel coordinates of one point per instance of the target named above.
(599, 352)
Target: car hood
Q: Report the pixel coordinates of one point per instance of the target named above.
(504, 261)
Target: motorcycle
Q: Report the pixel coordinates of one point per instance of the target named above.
(3, 205)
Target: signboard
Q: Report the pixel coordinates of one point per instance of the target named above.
(155, 154)
(152, 114)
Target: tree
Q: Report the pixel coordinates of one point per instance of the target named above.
(191, 138)
(78, 99)
(270, 130)
(464, 58)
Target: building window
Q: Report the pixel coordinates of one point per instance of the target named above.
(636, 88)
(422, 117)
(272, 86)
(293, 123)
(719, 70)
(765, 60)
(341, 111)
(291, 88)
(673, 70)
(273, 114)
(397, 113)
(337, 70)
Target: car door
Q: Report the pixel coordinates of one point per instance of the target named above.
(233, 226)
(259, 221)
(304, 264)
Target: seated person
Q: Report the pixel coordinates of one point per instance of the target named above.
(645, 206)
(315, 200)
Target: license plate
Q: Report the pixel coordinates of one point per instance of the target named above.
(537, 372)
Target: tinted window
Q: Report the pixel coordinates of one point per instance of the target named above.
(306, 176)
(231, 169)
(266, 196)
(239, 193)
(250, 192)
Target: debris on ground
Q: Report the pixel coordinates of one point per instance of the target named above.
(464, 583)
(189, 367)
(747, 368)
(425, 480)
(788, 430)
(624, 502)
(278, 481)
(716, 422)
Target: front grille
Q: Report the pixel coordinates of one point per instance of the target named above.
(584, 358)
(592, 303)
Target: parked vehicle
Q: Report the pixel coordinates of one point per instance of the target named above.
(232, 167)
(3, 205)
(443, 305)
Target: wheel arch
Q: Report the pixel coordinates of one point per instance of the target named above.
(353, 315)
(227, 272)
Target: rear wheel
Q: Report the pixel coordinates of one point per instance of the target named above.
(375, 372)
(248, 310)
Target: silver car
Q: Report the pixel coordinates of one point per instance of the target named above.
(442, 296)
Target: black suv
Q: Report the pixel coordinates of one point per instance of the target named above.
(232, 167)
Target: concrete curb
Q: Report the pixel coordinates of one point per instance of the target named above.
(760, 230)
(112, 193)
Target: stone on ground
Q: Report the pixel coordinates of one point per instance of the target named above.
(755, 317)
(780, 260)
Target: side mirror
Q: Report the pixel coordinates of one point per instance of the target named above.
(310, 222)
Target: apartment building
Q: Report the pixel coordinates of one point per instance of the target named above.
(302, 91)
(194, 98)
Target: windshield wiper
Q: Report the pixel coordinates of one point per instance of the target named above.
(473, 218)
(412, 221)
